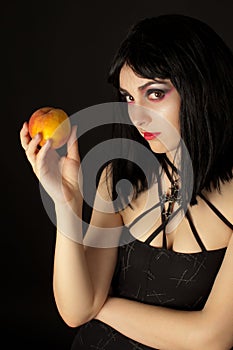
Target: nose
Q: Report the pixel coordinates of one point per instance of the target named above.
(140, 123)
(139, 116)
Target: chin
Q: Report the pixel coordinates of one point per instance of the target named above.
(158, 147)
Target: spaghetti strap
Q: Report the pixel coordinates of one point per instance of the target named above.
(155, 233)
(162, 226)
(216, 211)
(194, 231)
(166, 215)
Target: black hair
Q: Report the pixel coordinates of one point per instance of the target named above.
(200, 66)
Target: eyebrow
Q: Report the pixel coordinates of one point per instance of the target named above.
(142, 87)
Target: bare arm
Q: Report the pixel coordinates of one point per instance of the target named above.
(162, 328)
(82, 275)
(82, 270)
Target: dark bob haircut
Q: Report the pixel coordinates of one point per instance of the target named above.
(200, 66)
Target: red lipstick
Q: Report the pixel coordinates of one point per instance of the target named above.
(151, 135)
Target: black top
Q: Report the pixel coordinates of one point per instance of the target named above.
(156, 276)
(164, 277)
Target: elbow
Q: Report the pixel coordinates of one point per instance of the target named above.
(74, 315)
(73, 323)
(75, 320)
(78, 317)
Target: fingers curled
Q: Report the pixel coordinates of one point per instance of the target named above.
(31, 149)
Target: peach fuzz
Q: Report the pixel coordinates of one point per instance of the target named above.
(52, 123)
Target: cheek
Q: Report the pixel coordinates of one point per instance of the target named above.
(175, 121)
(175, 117)
(170, 120)
(174, 114)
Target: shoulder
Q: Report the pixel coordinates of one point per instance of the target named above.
(223, 199)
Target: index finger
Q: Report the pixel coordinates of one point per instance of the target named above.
(24, 136)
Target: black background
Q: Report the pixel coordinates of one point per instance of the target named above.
(56, 53)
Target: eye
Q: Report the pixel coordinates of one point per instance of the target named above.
(126, 97)
(129, 98)
(155, 94)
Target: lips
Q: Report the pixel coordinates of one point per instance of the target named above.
(151, 135)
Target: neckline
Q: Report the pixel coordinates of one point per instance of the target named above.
(171, 251)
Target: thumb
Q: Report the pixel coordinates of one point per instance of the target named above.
(72, 145)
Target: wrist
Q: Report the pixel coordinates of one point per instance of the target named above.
(75, 205)
(69, 220)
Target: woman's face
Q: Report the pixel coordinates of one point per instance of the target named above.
(154, 107)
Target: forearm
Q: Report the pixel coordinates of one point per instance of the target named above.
(73, 290)
(157, 327)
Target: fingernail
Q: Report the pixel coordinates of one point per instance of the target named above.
(37, 136)
(48, 142)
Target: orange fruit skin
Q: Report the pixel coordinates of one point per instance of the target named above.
(51, 123)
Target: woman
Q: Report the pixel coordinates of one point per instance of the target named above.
(171, 288)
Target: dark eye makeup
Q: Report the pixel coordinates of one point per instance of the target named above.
(152, 94)
(155, 94)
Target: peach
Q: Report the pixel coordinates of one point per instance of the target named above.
(52, 123)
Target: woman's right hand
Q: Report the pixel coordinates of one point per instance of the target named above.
(58, 175)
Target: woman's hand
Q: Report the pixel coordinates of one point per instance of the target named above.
(58, 175)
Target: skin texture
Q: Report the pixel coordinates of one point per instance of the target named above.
(82, 274)
(158, 327)
(153, 108)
